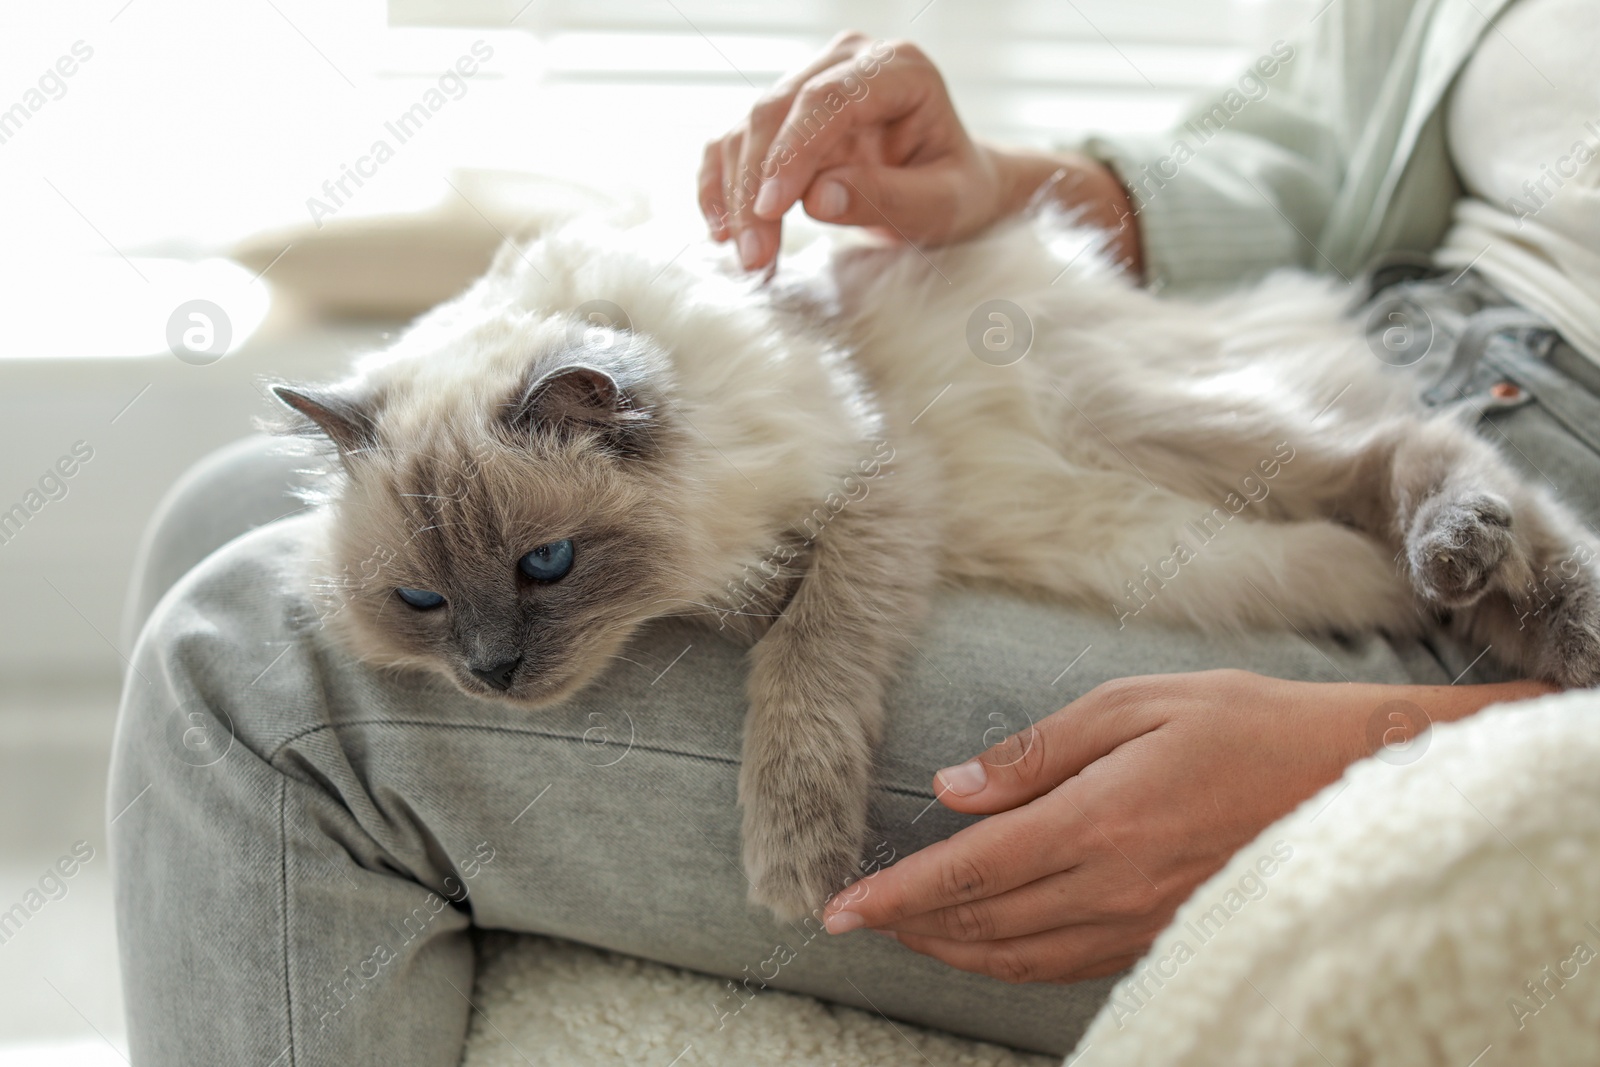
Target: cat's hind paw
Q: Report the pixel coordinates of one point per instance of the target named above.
(1457, 544)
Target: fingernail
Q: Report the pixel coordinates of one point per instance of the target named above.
(749, 248)
(832, 200)
(767, 198)
(842, 922)
(965, 780)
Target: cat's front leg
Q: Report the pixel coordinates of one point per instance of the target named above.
(816, 690)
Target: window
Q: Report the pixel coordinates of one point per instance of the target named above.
(195, 123)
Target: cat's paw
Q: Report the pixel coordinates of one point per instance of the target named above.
(1457, 544)
(804, 826)
(793, 883)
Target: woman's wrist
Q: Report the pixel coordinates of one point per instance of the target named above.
(1366, 718)
(1311, 732)
(1077, 182)
(1447, 703)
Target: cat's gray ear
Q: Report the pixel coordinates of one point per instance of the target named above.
(580, 392)
(580, 397)
(341, 419)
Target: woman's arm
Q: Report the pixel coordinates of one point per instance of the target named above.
(1079, 184)
(1105, 816)
(1245, 182)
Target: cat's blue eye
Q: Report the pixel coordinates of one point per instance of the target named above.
(548, 563)
(421, 599)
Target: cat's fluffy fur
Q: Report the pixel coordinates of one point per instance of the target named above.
(806, 459)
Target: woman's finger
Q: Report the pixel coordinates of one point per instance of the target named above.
(756, 238)
(769, 113)
(743, 177)
(1103, 889)
(1070, 953)
(1115, 965)
(729, 148)
(712, 204)
(917, 203)
(1032, 762)
(1000, 853)
(873, 89)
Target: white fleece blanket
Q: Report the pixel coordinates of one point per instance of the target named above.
(1439, 906)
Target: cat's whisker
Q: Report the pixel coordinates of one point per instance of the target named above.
(435, 526)
(636, 663)
(712, 609)
(684, 600)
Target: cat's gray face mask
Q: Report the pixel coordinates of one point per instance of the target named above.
(513, 555)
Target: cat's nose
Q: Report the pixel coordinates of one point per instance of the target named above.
(499, 674)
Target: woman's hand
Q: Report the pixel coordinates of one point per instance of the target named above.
(866, 135)
(1105, 816)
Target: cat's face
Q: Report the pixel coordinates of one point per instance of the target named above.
(512, 543)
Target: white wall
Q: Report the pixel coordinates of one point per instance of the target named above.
(83, 543)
